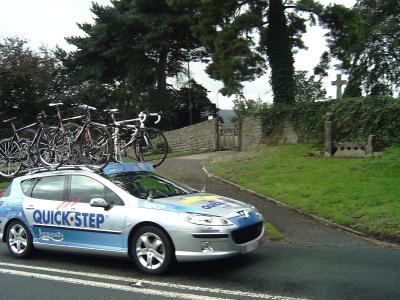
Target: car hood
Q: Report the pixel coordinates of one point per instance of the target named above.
(201, 203)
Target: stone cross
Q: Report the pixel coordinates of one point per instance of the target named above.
(339, 82)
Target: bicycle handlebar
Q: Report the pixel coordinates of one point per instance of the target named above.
(158, 115)
(143, 116)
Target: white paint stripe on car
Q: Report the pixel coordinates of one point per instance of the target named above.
(154, 283)
(114, 286)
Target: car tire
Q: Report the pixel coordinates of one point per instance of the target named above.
(152, 250)
(19, 240)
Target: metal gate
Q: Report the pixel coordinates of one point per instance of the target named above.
(228, 137)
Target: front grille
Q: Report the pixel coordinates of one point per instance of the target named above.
(247, 234)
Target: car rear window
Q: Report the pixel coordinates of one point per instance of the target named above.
(49, 188)
(27, 186)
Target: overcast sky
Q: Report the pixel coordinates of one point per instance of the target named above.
(49, 21)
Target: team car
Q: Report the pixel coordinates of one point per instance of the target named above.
(124, 210)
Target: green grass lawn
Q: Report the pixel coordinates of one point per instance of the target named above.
(361, 193)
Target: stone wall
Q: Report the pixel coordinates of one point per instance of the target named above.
(198, 137)
(251, 133)
(284, 133)
(203, 136)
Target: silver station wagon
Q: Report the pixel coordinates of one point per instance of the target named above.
(125, 210)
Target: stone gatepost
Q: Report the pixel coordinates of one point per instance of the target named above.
(370, 145)
(328, 135)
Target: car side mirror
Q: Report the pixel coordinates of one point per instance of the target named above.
(99, 202)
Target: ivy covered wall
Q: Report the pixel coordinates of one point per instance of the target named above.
(354, 119)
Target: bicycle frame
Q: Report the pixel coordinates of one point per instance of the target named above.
(116, 127)
(139, 132)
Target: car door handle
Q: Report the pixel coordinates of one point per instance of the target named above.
(30, 207)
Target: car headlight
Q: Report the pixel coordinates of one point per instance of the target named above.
(207, 220)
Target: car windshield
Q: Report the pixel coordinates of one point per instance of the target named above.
(146, 185)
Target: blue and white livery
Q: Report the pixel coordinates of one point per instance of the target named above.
(127, 210)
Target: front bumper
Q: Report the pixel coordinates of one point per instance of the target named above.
(208, 248)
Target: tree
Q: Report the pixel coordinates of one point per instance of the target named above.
(230, 29)
(308, 88)
(365, 39)
(27, 78)
(246, 107)
(138, 44)
(278, 46)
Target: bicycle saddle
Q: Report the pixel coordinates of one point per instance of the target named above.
(9, 120)
(111, 110)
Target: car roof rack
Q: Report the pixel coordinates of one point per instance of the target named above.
(61, 168)
(111, 168)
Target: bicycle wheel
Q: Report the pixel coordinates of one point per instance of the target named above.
(53, 147)
(10, 158)
(128, 146)
(28, 148)
(71, 131)
(95, 146)
(71, 128)
(151, 146)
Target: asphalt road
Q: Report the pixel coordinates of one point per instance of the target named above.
(279, 269)
(315, 262)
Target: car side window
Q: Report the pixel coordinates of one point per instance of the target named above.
(84, 188)
(47, 188)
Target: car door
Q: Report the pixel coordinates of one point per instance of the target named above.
(43, 196)
(97, 228)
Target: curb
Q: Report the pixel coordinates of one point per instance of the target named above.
(314, 217)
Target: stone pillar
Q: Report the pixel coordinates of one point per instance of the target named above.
(240, 134)
(370, 145)
(217, 123)
(328, 135)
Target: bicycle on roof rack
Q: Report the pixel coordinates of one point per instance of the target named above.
(89, 144)
(20, 150)
(144, 144)
(51, 148)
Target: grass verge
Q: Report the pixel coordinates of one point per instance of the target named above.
(360, 193)
(272, 233)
